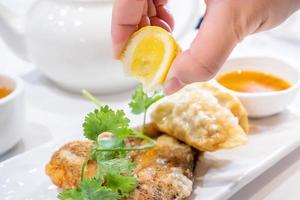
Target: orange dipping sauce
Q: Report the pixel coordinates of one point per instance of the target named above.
(4, 92)
(252, 81)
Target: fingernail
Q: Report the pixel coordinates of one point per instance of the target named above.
(170, 74)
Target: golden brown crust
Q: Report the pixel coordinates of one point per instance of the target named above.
(232, 103)
(64, 167)
(164, 172)
(202, 116)
(150, 129)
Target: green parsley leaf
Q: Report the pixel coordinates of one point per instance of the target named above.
(122, 184)
(141, 101)
(118, 151)
(105, 119)
(114, 179)
(112, 143)
(107, 144)
(92, 190)
(117, 166)
(89, 190)
(70, 195)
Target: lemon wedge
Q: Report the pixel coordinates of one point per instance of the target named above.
(148, 56)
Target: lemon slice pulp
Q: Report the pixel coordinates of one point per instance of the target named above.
(148, 56)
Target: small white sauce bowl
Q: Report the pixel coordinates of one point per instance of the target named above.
(12, 112)
(266, 103)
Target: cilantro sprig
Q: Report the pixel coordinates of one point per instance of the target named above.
(89, 190)
(141, 101)
(114, 179)
(105, 119)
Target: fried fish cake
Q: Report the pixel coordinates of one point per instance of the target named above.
(164, 172)
(64, 168)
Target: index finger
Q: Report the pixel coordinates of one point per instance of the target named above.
(214, 42)
(126, 16)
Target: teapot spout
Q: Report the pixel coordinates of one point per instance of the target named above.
(12, 30)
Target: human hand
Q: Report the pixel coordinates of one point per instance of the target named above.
(226, 23)
(131, 15)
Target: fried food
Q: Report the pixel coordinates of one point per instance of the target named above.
(163, 172)
(64, 169)
(229, 101)
(203, 116)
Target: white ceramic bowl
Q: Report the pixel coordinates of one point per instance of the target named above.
(266, 103)
(12, 112)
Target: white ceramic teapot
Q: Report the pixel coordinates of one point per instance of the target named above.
(69, 41)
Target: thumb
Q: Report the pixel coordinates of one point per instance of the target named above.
(214, 42)
(126, 16)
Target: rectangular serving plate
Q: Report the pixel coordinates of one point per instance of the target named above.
(218, 174)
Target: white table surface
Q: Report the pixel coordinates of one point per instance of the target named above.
(282, 181)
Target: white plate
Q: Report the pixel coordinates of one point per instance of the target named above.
(31, 130)
(218, 174)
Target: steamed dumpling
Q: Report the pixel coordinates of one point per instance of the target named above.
(202, 116)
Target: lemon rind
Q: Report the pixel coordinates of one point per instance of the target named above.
(171, 48)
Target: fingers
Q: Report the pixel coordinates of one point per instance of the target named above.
(155, 21)
(126, 17)
(165, 15)
(145, 21)
(151, 8)
(160, 2)
(131, 15)
(209, 50)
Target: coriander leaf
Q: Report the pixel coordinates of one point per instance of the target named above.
(105, 119)
(70, 195)
(112, 143)
(141, 101)
(103, 156)
(107, 144)
(154, 98)
(122, 184)
(92, 190)
(92, 125)
(110, 151)
(117, 166)
(138, 102)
